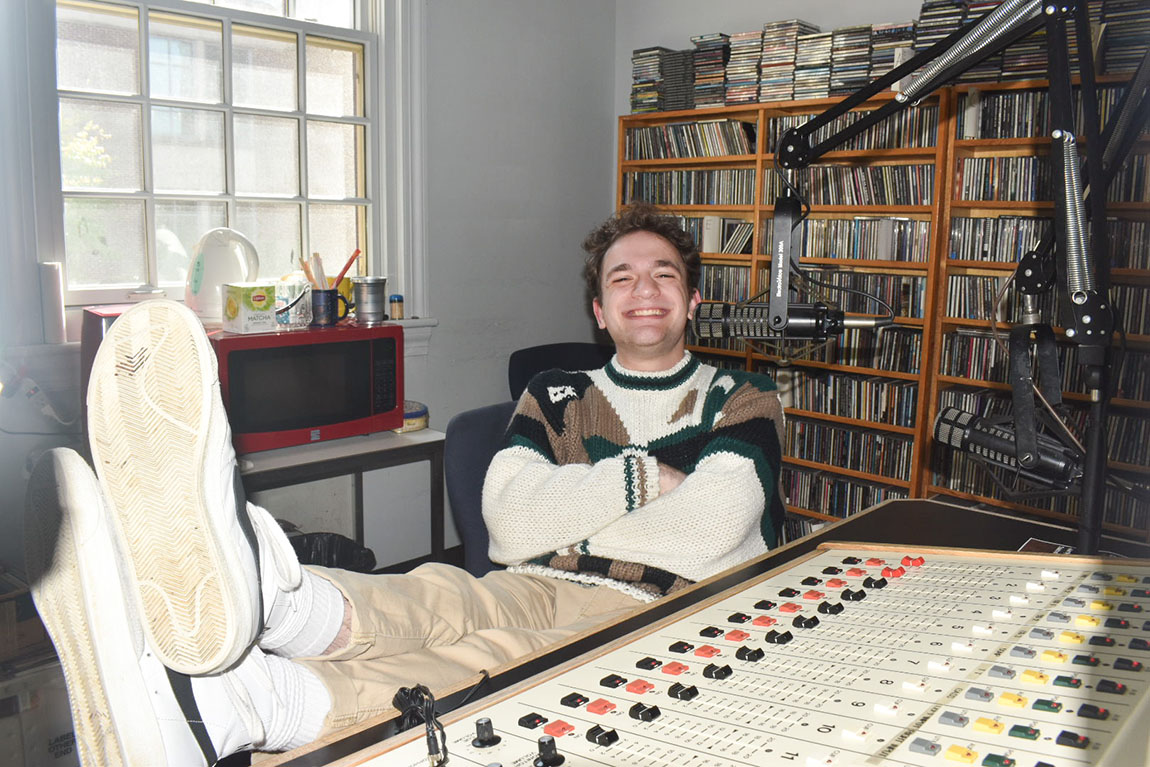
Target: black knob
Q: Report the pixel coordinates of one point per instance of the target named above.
(549, 755)
(485, 736)
(643, 712)
(602, 736)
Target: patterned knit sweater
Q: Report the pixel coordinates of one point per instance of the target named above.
(574, 492)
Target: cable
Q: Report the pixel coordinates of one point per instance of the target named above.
(474, 688)
(416, 705)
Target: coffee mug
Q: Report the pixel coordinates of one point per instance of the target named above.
(327, 307)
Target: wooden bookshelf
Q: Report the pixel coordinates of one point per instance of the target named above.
(943, 150)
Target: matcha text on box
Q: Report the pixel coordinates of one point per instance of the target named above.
(249, 307)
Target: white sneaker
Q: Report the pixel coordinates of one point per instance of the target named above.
(202, 566)
(124, 710)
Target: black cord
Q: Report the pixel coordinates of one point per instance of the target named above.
(475, 688)
(806, 212)
(417, 706)
(844, 289)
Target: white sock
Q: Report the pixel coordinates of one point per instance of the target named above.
(264, 702)
(303, 622)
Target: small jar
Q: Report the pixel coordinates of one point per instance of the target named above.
(396, 306)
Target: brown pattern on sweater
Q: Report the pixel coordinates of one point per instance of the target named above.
(650, 580)
(686, 407)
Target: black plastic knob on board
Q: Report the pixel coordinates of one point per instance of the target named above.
(643, 712)
(549, 755)
(485, 736)
(602, 736)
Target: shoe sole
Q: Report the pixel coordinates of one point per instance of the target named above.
(89, 627)
(150, 406)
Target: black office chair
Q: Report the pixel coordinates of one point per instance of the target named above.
(571, 355)
(473, 438)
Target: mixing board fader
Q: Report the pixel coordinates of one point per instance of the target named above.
(852, 656)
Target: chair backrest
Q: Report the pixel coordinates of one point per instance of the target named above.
(571, 355)
(473, 438)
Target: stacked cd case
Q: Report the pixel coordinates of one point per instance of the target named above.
(813, 66)
(777, 66)
(743, 68)
(850, 59)
(711, 54)
(647, 84)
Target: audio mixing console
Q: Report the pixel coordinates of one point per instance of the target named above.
(853, 655)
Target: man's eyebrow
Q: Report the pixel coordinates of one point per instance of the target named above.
(662, 262)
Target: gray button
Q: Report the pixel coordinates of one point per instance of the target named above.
(979, 694)
(1001, 672)
(1041, 634)
(924, 746)
(1058, 618)
(1018, 651)
(953, 718)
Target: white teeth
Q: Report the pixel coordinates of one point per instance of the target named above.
(647, 313)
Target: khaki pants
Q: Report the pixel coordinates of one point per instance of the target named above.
(438, 625)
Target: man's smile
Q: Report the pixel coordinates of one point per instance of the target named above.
(646, 313)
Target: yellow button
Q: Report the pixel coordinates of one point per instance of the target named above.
(1012, 700)
(1053, 656)
(1034, 677)
(1114, 591)
(1126, 579)
(982, 724)
(1098, 604)
(1071, 637)
(1087, 620)
(961, 754)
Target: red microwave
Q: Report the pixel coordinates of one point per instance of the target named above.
(301, 386)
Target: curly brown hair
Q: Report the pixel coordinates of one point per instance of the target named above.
(639, 217)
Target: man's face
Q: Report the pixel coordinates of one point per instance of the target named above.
(643, 301)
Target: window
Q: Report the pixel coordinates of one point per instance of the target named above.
(176, 120)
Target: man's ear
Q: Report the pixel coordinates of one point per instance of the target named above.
(694, 301)
(597, 308)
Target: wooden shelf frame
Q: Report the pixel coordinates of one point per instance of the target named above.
(945, 156)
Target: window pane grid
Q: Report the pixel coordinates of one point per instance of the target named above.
(193, 138)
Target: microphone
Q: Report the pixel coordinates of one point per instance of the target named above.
(1055, 465)
(815, 322)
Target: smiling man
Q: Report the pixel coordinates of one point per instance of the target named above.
(656, 470)
(187, 628)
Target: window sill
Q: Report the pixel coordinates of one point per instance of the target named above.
(416, 335)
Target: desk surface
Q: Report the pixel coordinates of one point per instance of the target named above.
(335, 450)
(907, 522)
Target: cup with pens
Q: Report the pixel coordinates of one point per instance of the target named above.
(330, 300)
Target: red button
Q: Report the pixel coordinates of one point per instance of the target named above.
(737, 635)
(856, 572)
(707, 651)
(790, 607)
(558, 728)
(875, 562)
(836, 583)
(640, 686)
(600, 706)
(675, 668)
(764, 620)
(814, 595)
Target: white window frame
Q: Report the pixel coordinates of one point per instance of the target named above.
(229, 17)
(34, 215)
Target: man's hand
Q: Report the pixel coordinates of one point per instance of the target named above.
(669, 478)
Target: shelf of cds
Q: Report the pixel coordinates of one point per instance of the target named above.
(852, 404)
(929, 211)
(1000, 206)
